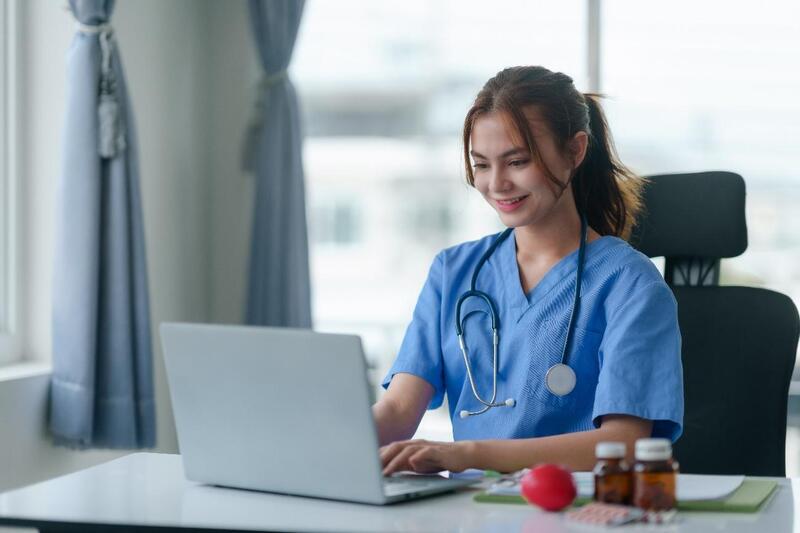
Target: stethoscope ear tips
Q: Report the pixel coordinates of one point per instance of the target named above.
(464, 414)
(510, 402)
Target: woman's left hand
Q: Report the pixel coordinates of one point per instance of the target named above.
(426, 457)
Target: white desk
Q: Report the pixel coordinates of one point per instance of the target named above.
(147, 489)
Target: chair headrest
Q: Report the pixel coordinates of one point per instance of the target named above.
(698, 214)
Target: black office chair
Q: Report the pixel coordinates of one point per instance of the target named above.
(739, 343)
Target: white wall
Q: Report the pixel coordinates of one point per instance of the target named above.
(163, 47)
(189, 83)
(233, 86)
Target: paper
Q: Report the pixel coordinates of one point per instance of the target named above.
(691, 487)
(696, 487)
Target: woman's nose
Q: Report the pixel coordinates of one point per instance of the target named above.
(498, 181)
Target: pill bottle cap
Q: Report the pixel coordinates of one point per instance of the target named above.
(610, 450)
(653, 449)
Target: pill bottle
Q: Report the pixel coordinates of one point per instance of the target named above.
(612, 476)
(654, 475)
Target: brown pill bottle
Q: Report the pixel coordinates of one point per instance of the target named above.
(655, 475)
(612, 475)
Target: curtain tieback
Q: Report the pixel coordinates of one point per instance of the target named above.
(257, 120)
(111, 131)
(270, 80)
(93, 28)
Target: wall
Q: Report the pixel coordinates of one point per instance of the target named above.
(182, 75)
(235, 75)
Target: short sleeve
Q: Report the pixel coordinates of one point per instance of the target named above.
(421, 351)
(640, 356)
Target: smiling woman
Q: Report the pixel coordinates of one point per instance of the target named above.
(581, 328)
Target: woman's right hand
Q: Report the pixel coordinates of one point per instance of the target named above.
(427, 457)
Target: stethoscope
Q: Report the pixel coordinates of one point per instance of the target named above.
(560, 378)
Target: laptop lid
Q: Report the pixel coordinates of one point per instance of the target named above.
(280, 410)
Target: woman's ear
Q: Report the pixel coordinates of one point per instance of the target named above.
(577, 148)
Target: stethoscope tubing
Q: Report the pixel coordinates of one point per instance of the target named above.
(473, 292)
(576, 302)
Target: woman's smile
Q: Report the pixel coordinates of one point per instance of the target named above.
(510, 204)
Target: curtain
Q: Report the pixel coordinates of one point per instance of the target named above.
(279, 291)
(101, 393)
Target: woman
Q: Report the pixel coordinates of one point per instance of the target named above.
(572, 369)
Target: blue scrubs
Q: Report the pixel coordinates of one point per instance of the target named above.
(625, 349)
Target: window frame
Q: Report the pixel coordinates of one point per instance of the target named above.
(9, 184)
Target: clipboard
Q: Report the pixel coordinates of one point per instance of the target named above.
(748, 498)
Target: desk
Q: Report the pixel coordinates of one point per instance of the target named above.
(149, 490)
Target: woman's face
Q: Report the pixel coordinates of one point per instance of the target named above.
(510, 179)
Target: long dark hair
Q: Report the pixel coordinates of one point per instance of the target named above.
(605, 190)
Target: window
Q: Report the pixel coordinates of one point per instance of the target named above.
(336, 223)
(713, 86)
(8, 181)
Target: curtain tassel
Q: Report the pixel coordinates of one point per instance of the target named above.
(253, 134)
(111, 136)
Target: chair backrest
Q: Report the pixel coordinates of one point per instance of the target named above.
(738, 343)
(739, 348)
(692, 220)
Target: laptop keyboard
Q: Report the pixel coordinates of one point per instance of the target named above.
(403, 484)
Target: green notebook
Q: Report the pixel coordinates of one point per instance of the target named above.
(748, 498)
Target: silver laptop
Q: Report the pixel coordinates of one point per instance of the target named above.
(280, 410)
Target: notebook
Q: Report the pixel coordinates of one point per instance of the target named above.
(695, 492)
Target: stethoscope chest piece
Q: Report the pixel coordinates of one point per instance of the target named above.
(560, 379)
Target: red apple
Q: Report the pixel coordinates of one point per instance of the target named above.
(548, 486)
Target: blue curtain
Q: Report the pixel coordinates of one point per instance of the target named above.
(279, 291)
(102, 383)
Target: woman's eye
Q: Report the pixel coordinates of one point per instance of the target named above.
(479, 165)
(518, 162)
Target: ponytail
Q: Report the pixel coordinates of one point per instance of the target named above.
(606, 191)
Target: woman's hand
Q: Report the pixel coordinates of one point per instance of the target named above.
(426, 457)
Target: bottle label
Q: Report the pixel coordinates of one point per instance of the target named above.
(654, 490)
(613, 488)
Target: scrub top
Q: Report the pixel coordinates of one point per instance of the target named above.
(625, 349)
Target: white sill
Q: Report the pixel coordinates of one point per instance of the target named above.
(23, 370)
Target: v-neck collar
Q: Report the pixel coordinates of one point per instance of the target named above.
(504, 260)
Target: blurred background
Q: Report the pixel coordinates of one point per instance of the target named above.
(383, 88)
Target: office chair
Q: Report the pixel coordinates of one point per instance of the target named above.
(738, 343)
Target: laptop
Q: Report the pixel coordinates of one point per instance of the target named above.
(280, 410)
